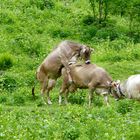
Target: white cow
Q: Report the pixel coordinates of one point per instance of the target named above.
(129, 88)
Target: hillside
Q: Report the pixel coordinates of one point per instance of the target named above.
(29, 30)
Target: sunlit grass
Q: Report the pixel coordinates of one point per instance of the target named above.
(29, 30)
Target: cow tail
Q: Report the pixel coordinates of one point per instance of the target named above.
(33, 88)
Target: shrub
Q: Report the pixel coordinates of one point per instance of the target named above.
(6, 61)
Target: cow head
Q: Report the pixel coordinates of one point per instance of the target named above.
(116, 90)
(85, 53)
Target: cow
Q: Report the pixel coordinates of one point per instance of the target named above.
(50, 69)
(85, 76)
(130, 88)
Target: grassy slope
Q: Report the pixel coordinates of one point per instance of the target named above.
(27, 35)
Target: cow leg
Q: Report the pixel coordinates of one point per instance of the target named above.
(63, 91)
(92, 86)
(60, 96)
(43, 89)
(65, 85)
(90, 96)
(66, 96)
(51, 84)
(106, 99)
(70, 78)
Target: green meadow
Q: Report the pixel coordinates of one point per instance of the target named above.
(29, 30)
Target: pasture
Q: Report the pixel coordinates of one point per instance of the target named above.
(29, 30)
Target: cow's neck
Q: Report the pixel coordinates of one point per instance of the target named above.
(122, 88)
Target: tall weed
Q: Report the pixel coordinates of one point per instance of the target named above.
(6, 61)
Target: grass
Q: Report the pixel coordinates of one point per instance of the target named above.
(70, 122)
(29, 30)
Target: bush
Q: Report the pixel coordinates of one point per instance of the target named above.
(6, 61)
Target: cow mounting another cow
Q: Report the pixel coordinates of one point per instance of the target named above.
(50, 69)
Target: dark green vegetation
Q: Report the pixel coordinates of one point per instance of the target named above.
(29, 30)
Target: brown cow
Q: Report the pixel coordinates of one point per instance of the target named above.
(50, 68)
(86, 76)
